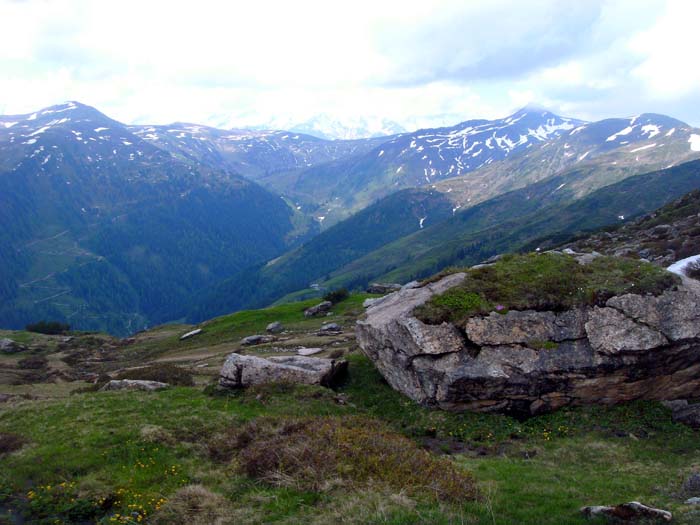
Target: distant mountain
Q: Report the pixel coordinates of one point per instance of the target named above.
(254, 154)
(328, 128)
(108, 231)
(479, 159)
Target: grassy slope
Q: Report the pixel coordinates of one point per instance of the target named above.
(583, 456)
(472, 236)
(143, 447)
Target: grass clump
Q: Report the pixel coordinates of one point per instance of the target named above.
(548, 281)
(319, 453)
(194, 505)
(164, 373)
(693, 270)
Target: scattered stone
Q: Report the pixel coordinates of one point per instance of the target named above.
(692, 501)
(8, 346)
(257, 340)
(309, 351)
(274, 328)
(242, 371)
(586, 258)
(530, 362)
(691, 486)
(190, 334)
(330, 327)
(383, 288)
(630, 512)
(319, 309)
(134, 384)
(685, 413)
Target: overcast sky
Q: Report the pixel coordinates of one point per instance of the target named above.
(419, 63)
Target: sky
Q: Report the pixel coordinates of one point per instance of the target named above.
(419, 63)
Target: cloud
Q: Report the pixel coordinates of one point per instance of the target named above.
(419, 63)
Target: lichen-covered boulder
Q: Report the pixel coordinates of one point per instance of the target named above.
(527, 362)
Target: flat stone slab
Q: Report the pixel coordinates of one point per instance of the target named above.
(309, 351)
(133, 384)
(242, 370)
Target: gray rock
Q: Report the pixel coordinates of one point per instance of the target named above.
(370, 301)
(587, 258)
(691, 486)
(330, 327)
(383, 288)
(8, 346)
(134, 384)
(274, 328)
(500, 363)
(309, 351)
(257, 340)
(692, 501)
(242, 371)
(321, 308)
(629, 512)
(190, 334)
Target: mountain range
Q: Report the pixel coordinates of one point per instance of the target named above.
(118, 227)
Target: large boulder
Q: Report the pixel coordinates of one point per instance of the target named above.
(527, 362)
(244, 370)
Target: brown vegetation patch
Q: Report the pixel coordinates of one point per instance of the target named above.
(164, 373)
(319, 453)
(10, 443)
(194, 505)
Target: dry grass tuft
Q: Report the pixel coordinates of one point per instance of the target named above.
(194, 505)
(323, 452)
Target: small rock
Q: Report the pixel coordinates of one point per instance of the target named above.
(134, 384)
(587, 258)
(630, 512)
(383, 288)
(691, 486)
(330, 327)
(370, 301)
(190, 334)
(320, 308)
(8, 346)
(309, 351)
(692, 501)
(257, 340)
(411, 285)
(274, 328)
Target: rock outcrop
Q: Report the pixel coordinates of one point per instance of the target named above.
(527, 362)
(244, 370)
(319, 309)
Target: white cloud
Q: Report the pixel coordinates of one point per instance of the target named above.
(419, 63)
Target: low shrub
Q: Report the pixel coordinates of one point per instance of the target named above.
(693, 270)
(48, 327)
(319, 453)
(33, 362)
(335, 296)
(165, 373)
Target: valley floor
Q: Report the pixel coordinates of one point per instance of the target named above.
(136, 457)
